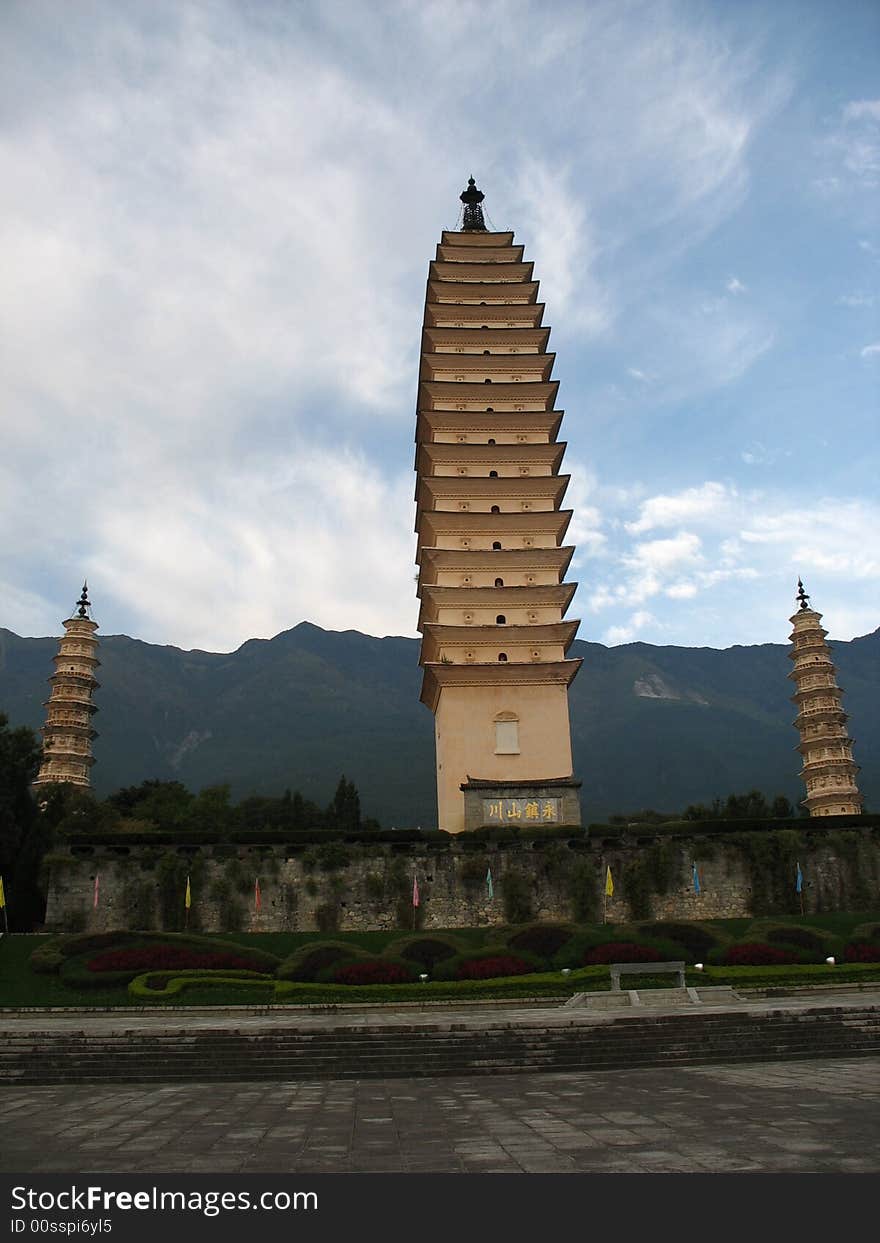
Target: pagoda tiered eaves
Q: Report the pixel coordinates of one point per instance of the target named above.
(489, 523)
(829, 770)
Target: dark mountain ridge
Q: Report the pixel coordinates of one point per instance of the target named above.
(651, 726)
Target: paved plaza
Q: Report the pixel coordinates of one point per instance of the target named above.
(810, 1116)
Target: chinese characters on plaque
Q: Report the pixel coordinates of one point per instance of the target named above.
(504, 810)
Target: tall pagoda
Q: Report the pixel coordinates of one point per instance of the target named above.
(491, 532)
(829, 771)
(68, 733)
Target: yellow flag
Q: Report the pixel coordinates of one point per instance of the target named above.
(609, 883)
(2, 895)
(187, 901)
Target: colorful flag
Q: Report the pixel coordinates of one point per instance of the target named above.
(2, 895)
(799, 879)
(415, 891)
(696, 880)
(609, 883)
(490, 888)
(187, 901)
(95, 898)
(258, 897)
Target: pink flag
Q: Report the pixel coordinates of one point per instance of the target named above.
(258, 900)
(415, 891)
(95, 899)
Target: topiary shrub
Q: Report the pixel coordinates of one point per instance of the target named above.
(545, 940)
(46, 959)
(307, 961)
(371, 971)
(696, 939)
(423, 950)
(803, 938)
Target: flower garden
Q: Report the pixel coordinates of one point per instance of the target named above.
(550, 960)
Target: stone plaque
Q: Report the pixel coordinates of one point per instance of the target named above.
(512, 810)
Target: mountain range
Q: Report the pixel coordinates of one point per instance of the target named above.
(657, 727)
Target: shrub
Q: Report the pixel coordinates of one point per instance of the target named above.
(46, 959)
(306, 962)
(545, 940)
(372, 971)
(622, 951)
(426, 951)
(694, 938)
(803, 938)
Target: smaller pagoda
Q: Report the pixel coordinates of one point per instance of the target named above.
(829, 771)
(68, 733)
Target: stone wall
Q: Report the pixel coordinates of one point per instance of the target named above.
(350, 887)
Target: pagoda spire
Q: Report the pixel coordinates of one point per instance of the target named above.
(829, 771)
(473, 212)
(68, 733)
(491, 538)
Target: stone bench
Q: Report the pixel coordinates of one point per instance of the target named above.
(644, 968)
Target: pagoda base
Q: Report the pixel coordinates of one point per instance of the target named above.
(553, 800)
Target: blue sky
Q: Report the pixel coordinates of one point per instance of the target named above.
(216, 224)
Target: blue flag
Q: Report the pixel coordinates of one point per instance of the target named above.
(696, 880)
(490, 888)
(799, 880)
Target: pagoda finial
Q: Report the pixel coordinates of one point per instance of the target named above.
(803, 598)
(83, 602)
(473, 213)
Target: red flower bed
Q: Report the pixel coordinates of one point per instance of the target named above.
(372, 973)
(170, 958)
(489, 968)
(622, 951)
(758, 954)
(862, 952)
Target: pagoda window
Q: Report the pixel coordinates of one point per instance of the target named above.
(506, 734)
(493, 474)
(490, 441)
(490, 409)
(496, 545)
(487, 381)
(496, 509)
(499, 582)
(500, 620)
(487, 351)
(502, 656)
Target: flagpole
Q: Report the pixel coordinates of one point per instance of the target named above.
(3, 906)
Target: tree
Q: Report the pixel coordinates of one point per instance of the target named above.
(344, 813)
(20, 754)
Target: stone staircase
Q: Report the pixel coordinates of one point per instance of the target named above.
(401, 1050)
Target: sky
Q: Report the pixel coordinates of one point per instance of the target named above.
(216, 224)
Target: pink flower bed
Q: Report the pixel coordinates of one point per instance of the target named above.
(862, 952)
(170, 958)
(622, 951)
(758, 954)
(372, 973)
(490, 968)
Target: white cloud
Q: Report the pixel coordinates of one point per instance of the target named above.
(856, 300)
(637, 622)
(870, 350)
(735, 286)
(692, 504)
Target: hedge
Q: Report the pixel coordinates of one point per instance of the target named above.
(425, 948)
(307, 961)
(503, 962)
(173, 984)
